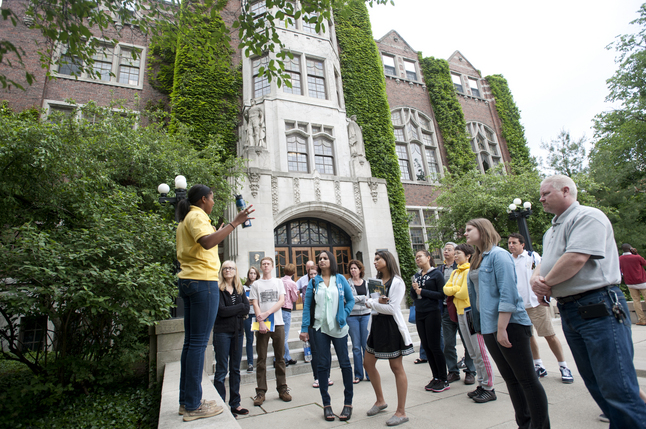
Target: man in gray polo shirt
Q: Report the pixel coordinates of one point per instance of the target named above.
(580, 268)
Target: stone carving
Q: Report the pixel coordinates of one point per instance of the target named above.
(373, 190)
(254, 178)
(255, 117)
(337, 191)
(317, 185)
(357, 199)
(355, 138)
(274, 194)
(297, 190)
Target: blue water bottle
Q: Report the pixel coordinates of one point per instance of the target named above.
(241, 205)
(307, 351)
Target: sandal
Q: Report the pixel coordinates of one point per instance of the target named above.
(418, 361)
(346, 413)
(328, 414)
(356, 381)
(315, 384)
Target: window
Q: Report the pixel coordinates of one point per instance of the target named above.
(258, 9)
(316, 78)
(113, 64)
(57, 112)
(473, 85)
(261, 85)
(404, 165)
(485, 144)
(310, 27)
(421, 226)
(297, 153)
(323, 156)
(33, 331)
(310, 140)
(293, 69)
(457, 82)
(411, 73)
(289, 21)
(389, 65)
(417, 149)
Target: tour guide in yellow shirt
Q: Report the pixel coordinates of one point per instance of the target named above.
(197, 253)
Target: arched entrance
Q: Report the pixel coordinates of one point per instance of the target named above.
(300, 240)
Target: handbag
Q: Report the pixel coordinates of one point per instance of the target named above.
(411, 315)
(450, 307)
(468, 313)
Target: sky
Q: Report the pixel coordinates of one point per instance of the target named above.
(552, 53)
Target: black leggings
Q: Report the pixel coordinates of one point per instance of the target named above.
(516, 366)
(429, 326)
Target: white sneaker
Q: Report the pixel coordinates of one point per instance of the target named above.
(566, 375)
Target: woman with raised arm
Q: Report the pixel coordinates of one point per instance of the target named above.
(499, 314)
(228, 335)
(328, 301)
(389, 337)
(197, 253)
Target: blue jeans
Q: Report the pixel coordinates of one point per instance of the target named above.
(449, 331)
(323, 342)
(603, 352)
(228, 352)
(201, 300)
(287, 318)
(249, 337)
(359, 335)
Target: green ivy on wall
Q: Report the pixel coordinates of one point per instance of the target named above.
(364, 87)
(206, 86)
(512, 130)
(449, 115)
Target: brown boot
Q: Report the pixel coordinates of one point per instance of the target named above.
(284, 395)
(259, 399)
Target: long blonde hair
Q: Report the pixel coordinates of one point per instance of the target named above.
(237, 285)
(488, 238)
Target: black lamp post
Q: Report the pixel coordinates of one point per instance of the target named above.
(521, 211)
(180, 194)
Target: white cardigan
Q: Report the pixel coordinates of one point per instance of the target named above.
(396, 293)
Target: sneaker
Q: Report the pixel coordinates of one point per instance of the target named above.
(205, 410)
(469, 379)
(461, 364)
(485, 396)
(182, 408)
(259, 399)
(440, 386)
(540, 371)
(285, 396)
(475, 393)
(431, 384)
(603, 418)
(566, 375)
(290, 362)
(453, 377)
(250, 368)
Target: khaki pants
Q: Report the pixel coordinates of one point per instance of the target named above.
(278, 343)
(637, 303)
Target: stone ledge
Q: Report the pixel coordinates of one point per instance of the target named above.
(168, 417)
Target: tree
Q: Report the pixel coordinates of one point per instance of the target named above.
(78, 25)
(565, 155)
(85, 241)
(618, 158)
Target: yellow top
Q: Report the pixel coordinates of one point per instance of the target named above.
(457, 287)
(196, 262)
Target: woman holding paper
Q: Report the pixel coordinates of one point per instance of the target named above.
(328, 302)
(389, 337)
(228, 333)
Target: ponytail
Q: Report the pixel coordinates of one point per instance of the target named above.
(194, 195)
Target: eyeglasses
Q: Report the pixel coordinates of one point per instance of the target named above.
(228, 269)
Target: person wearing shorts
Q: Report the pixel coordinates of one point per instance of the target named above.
(538, 314)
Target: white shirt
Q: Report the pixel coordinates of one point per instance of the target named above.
(267, 293)
(524, 272)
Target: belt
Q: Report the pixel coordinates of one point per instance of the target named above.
(286, 309)
(570, 298)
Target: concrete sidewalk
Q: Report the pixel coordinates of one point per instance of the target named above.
(571, 406)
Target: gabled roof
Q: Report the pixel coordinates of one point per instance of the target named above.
(458, 56)
(392, 33)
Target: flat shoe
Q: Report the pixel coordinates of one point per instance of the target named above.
(395, 420)
(240, 412)
(356, 381)
(418, 361)
(346, 413)
(375, 409)
(328, 414)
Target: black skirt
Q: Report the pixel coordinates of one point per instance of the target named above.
(385, 341)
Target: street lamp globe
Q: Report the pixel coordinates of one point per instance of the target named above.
(527, 205)
(180, 182)
(163, 188)
(518, 201)
(512, 207)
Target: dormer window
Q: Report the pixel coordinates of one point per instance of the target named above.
(411, 72)
(473, 85)
(389, 65)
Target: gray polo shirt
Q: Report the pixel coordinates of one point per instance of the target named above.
(582, 229)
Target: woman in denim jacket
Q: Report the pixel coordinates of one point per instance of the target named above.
(499, 314)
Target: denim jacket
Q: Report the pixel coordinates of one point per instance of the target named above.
(346, 301)
(498, 292)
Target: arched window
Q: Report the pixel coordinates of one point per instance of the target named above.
(417, 149)
(485, 145)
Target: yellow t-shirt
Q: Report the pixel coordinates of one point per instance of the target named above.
(195, 261)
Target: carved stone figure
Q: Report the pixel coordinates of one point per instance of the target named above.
(255, 117)
(355, 137)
